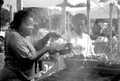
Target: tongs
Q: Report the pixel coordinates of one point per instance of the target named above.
(68, 42)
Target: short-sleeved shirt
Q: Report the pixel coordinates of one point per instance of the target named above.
(18, 51)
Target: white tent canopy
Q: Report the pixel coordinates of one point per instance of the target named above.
(35, 3)
(46, 3)
(96, 12)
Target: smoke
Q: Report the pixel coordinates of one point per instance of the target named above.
(78, 75)
(76, 70)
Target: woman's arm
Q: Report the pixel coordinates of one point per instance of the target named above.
(42, 42)
(39, 53)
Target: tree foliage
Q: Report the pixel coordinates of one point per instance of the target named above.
(41, 15)
(4, 16)
(43, 18)
(56, 20)
(118, 2)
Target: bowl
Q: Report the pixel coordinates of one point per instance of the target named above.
(73, 63)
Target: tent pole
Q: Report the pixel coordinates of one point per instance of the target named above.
(110, 15)
(11, 13)
(49, 15)
(50, 27)
(88, 23)
(88, 17)
(19, 5)
(118, 17)
(64, 17)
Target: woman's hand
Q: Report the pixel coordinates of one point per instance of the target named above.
(54, 35)
(51, 50)
(69, 45)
